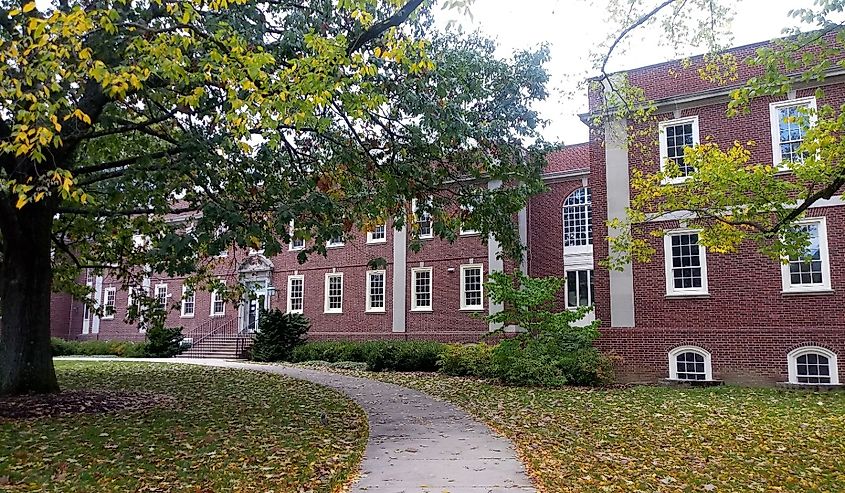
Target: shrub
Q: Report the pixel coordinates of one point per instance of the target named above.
(279, 335)
(163, 342)
(378, 355)
(61, 347)
(470, 360)
(553, 349)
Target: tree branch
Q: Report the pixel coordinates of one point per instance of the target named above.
(379, 28)
(126, 162)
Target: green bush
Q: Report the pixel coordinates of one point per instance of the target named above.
(125, 349)
(467, 360)
(526, 361)
(163, 342)
(378, 355)
(279, 335)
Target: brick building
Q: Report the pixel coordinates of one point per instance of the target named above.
(687, 314)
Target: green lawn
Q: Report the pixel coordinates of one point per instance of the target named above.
(650, 439)
(221, 430)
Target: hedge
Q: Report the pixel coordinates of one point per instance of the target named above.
(378, 355)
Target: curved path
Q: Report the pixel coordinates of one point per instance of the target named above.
(417, 444)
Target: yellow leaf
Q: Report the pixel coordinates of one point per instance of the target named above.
(21, 201)
(29, 7)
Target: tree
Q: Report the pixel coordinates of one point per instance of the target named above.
(729, 197)
(151, 135)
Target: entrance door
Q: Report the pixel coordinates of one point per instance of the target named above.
(256, 300)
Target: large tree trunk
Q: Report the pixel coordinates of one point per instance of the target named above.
(26, 362)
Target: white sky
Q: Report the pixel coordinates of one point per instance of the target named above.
(573, 28)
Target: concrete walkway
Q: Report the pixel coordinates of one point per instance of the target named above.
(416, 444)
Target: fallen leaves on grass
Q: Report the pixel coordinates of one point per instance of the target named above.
(227, 430)
(655, 439)
(78, 401)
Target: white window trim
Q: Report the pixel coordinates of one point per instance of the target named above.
(792, 359)
(673, 366)
(291, 246)
(370, 239)
(575, 250)
(664, 148)
(467, 232)
(326, 308)
(214, 297)
(464, 306)
(825, 285)
(193, 294)
(671, 290)
(774, 121)
(106, 314)
(369, 300)
(430, 221)
(290, 301)
(335, 244)
(591, 277)
(166, 294)
(414, 306)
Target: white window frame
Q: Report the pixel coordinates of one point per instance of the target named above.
(106, 314)
(335, 244)
(792, 359)
(298, 277)
(468, 209)
(166, 295)
(664, 147)
(215, 296)
(774, 121)
(188, 294)
(415, 307)
(430, 235)
(590, 292)
(292, 245)
(673, 366)
(588, 210)
(464, 269)
(326, 308)
(671, 290)
(371, 240)
(369, 295)
(825, 285)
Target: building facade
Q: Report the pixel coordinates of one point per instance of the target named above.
(688, 314)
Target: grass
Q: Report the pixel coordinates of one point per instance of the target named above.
(657, 439)
(227, 430)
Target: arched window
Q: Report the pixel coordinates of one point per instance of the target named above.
(577, 218)
(813, 365)
(689, 363)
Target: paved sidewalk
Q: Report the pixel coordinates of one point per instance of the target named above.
(417, 444)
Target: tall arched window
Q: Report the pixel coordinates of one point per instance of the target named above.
(813, 365)
(577, 218)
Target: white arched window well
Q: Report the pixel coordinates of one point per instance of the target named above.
(690, 363)
(813, 365)
(577, 219)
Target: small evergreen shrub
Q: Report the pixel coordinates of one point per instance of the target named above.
(163, 342)
(527, 362)
(279, 335)
(467, 360)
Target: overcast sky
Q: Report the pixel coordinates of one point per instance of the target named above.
(573, 27)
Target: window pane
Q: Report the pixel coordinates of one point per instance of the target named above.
(577, 218)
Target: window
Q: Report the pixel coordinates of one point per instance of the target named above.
(334, 293)
(423, 220)
(296, 294)
(218, 304)
(690, 363)
(810, 272)
(188, 302)
(577, 219)
(335, 241)
(109, 302)
(375, 290)
(675, 136)
(467, 213)
(813, 365)
(421, 285)
(161, 296)
(686, 263)
(579, 288)
(295, 242)
(472, 287)
(378, 234)
(790, 120)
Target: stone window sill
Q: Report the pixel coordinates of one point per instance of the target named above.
(808, 292)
